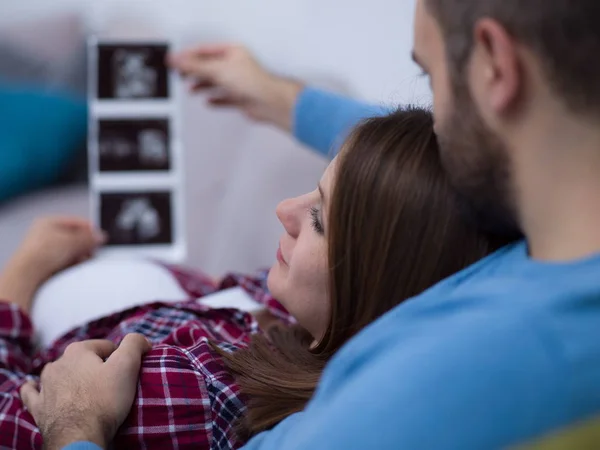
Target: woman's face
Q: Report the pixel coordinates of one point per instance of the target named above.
(300, 275)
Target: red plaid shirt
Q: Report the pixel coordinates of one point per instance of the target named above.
(185, 399)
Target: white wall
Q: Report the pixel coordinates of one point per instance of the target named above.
(360, 46)
(234, 179)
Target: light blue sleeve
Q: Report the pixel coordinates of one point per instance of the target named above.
(322, 119)
(429, 392)
(82, 446)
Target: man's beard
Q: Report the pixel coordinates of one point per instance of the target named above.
(477, 163)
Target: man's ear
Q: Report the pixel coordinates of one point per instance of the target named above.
(497, 65)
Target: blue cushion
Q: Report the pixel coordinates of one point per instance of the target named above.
(40, 134)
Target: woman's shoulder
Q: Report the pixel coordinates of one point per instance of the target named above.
(197, 339)
(186, 397)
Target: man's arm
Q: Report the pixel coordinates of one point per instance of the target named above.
(234, 78)
(472, 386)
(322, 120)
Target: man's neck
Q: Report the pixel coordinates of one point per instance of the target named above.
(558, 189)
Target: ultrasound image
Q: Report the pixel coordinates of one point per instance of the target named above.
(133, 145)
(132, 71)
(137, 218)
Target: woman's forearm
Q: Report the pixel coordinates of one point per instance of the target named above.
(19, 284)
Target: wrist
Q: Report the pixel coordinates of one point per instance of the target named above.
(59, 437)
(281, 101)
(63, 441)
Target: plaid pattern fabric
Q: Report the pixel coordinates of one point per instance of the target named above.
(185, 398)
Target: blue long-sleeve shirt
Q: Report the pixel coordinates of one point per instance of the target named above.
(322, 119)
(500, 353)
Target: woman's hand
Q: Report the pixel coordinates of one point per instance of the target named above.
(51, 245)
(236, 79)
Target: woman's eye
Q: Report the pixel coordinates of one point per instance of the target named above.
(316, 222)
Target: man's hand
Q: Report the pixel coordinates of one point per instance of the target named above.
(236, 79)
(51, 245)
(87, 393)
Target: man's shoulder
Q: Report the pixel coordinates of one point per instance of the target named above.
(471, 337)
(509, 343)
(459, 376)
(472, 329)
(498, 354)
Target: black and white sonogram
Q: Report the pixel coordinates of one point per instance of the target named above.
(132, 71)
(133, 145)
(137, 218)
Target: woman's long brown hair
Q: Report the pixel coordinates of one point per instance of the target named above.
(394, 229)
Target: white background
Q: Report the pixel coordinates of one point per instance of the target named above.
(362, 46)
(236, 171)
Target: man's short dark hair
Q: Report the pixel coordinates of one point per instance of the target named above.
(564, 34)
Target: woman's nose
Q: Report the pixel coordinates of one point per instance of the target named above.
(288, 212)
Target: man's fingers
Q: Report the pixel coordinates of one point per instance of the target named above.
(225, 100)
(72, 221)
(201, 51)
(128, 356)
(205, 70)
(212, 50)
(30, 396)
(102, 348)
(200, 85)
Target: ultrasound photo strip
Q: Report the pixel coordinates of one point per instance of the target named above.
(135, 152)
